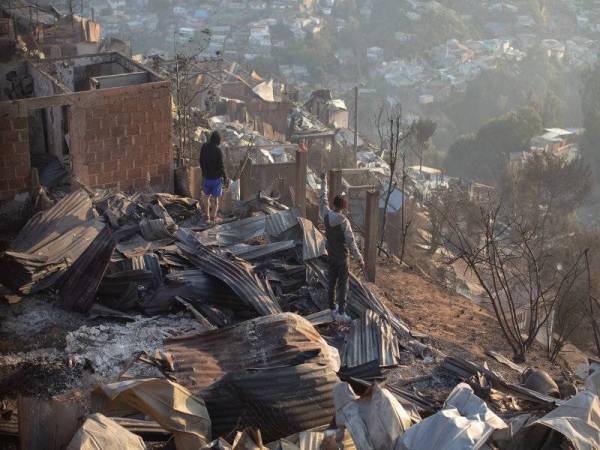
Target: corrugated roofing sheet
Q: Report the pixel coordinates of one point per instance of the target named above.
(361, 299)
(279, 401)
(280, 222)
(49, 243)
(370, 339)
(237, 274)
(252, 252)
(313, 245)
(234, 232)
(80, 283)
(270, 341)
(206, 289)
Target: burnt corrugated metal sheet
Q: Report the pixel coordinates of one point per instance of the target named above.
(49, 243)
(119, 287)
(278, 401)
(234, 232)
(235, 273)
(370, 339)
(361, 299)
(280, 222)
(252, 252)
(271, 341)
(120, 290)
(155, 229)
(207, 289)
(80, 283)
(313, 245)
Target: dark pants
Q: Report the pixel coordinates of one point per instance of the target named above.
(338, 284)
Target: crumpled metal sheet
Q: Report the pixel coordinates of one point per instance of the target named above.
(281, 222)
(232, 233)
(101, 432)
(155, 230)
(252, 252)
(320, 438)
(49, 243)
(578, 420)
(270, 341)
(371, 339)
(361, 299)
(466, 422)
(465, 369)
(275, 373)
(236, 274)
(120, 209)
(279, 401)
(375, 420)
(81, 281)
(203, 288)
(171, 405)
(125, 280)
(313, 242)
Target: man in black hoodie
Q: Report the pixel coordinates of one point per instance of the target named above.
(213, 174)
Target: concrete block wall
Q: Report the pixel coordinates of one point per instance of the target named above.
(124, 138)
(15, 165)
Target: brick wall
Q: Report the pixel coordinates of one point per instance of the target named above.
(14, 156)
(124, 138)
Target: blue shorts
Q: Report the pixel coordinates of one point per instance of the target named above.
(213, 188)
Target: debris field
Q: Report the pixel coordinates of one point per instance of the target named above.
(133, 323)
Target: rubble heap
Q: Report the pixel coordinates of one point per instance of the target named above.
(219, 336)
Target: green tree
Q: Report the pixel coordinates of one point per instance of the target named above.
(485, 156)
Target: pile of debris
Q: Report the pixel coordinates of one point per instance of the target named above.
(199, 335)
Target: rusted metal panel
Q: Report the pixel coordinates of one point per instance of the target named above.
(278, 401)
(235, 273)
(275, 373)
(271, 341)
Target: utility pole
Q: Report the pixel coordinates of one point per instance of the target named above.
(355, 121)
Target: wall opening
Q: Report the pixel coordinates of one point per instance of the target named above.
(49, 143)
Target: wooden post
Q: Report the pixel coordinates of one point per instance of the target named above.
(195, 182)
(300, 185)
(335, 185)
(371, 234)
(355, 121)
(246, 182)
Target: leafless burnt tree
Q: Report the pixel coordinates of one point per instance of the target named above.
(399, 135)
(512, 259)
